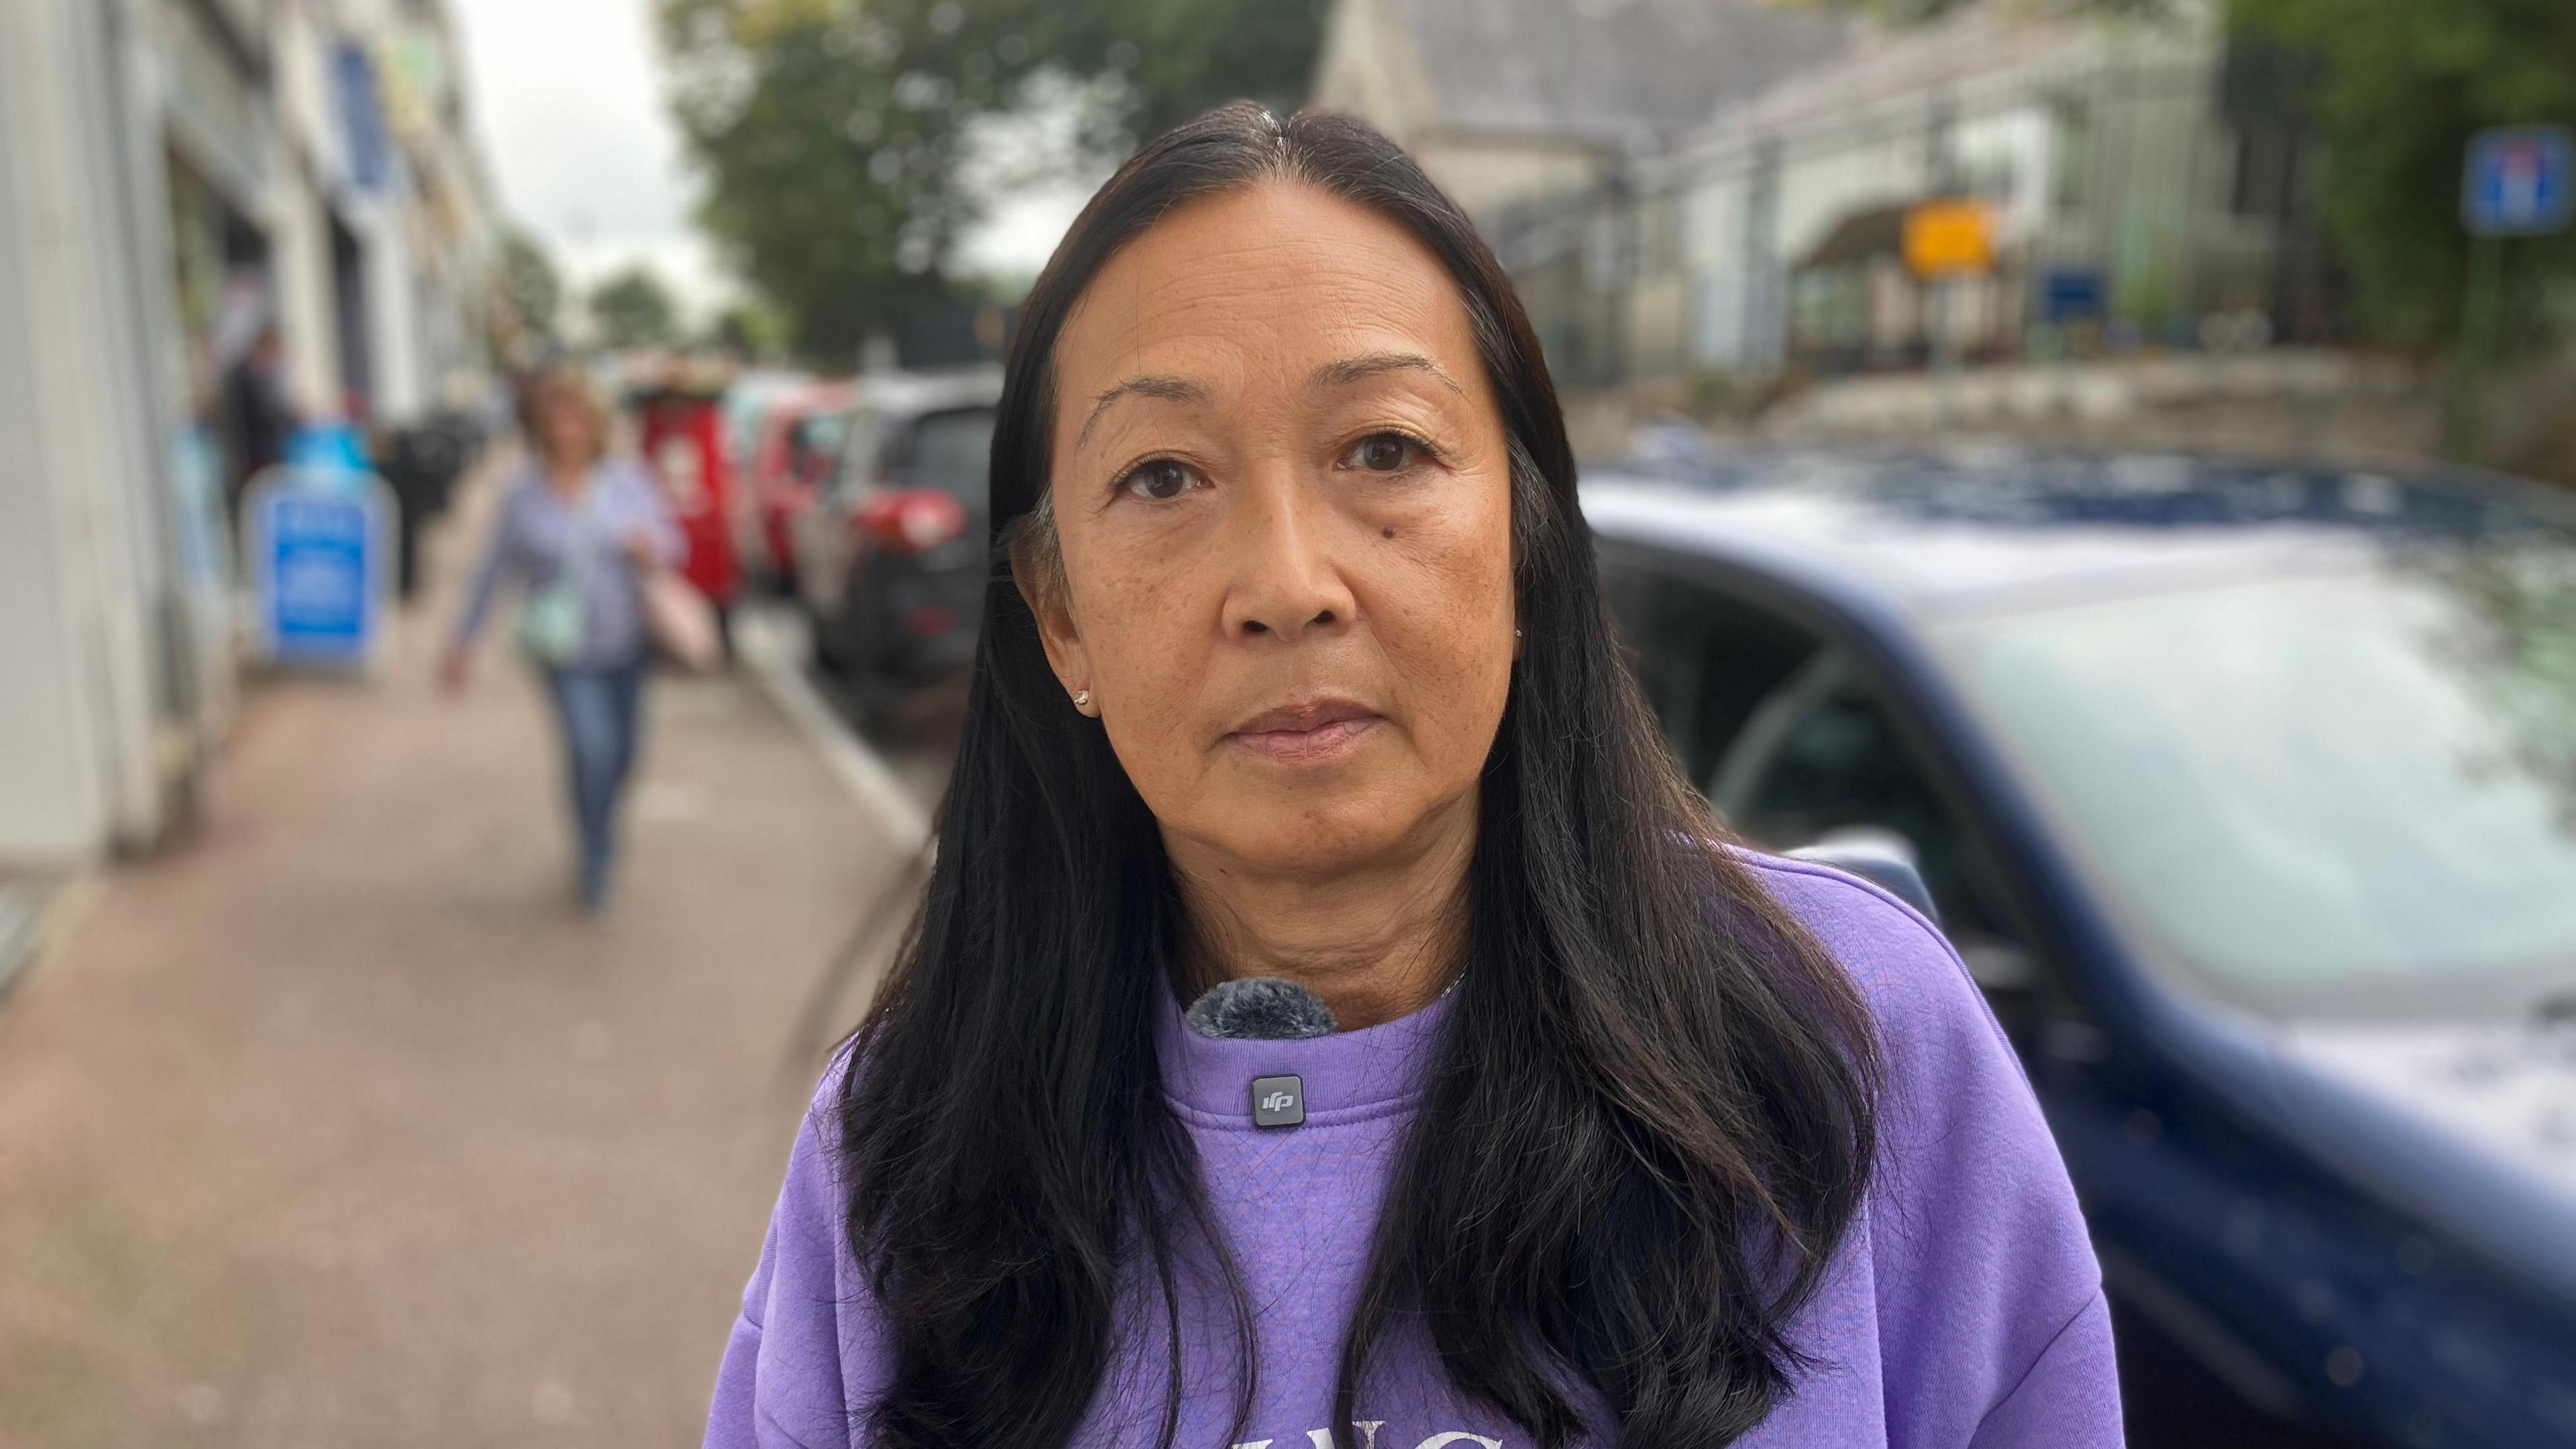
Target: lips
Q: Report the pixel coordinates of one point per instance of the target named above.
(1306, 732)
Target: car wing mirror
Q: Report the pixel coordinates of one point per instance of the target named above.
(2000, 967)
(2010, 977)
(1883, 857)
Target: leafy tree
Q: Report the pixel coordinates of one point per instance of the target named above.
(1171, 59)
(634, 309)
(526, 287)
(749, 328)
(835, 135)
(2399, 86)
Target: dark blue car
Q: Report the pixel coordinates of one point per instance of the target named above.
(2249, 795)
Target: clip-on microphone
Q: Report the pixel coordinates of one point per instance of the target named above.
(1265, 1008)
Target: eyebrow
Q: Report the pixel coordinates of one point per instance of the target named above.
(1371, 364)
(1169, 389)
(1339, 373)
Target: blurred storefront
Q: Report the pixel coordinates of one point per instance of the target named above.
(179, 179)
(93, 654)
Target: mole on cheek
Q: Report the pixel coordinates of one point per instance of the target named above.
(1390, 532)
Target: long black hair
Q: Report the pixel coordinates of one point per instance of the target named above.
(1649, 1118)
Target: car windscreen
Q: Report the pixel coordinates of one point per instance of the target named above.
(821, 434)
(856, 468)
(953, 452)
(2313, 783)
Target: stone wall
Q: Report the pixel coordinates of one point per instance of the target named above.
(2313, 404)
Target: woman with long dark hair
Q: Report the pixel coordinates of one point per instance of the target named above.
(1516, 1104)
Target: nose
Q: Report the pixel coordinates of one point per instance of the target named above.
(1286, 583)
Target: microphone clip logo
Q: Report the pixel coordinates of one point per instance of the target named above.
(1278, 1101)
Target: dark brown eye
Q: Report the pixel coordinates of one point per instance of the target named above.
(1161, 480)
(1383, 453)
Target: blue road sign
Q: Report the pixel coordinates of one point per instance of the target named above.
(2067, 294)
(2517, 181)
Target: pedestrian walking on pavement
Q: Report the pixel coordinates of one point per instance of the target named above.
(577, 535)
(1516, 1102)
(253, 419)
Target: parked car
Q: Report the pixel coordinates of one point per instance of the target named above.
(747, 403)
(753, 393)
(2248, 794)
(797, 445)
(890, 561)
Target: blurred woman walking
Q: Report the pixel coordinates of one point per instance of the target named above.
(579, 535)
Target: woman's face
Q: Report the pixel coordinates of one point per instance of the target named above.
(1282, 497)
(565, 423)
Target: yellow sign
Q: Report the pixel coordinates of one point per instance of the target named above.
(1945, 238)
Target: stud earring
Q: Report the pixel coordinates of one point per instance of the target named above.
(1516, 633)
(1082, 699)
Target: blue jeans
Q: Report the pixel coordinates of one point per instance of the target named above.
(601, 712)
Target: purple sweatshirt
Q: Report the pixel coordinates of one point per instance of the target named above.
(1963, 1307)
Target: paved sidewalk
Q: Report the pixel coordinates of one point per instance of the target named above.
(337, 1126)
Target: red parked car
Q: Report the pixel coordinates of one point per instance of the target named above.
(890, 558)
(799, 439)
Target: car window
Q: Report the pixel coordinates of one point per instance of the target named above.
(950, 451)
(1704, 658)
(1790, 744)
(2312, 784)
(861, 443)
(818, 436)
(1824, 755)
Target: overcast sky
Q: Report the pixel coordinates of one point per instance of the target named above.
(567, 96)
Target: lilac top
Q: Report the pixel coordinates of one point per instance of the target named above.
(536, 533)
(1963, 1308)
